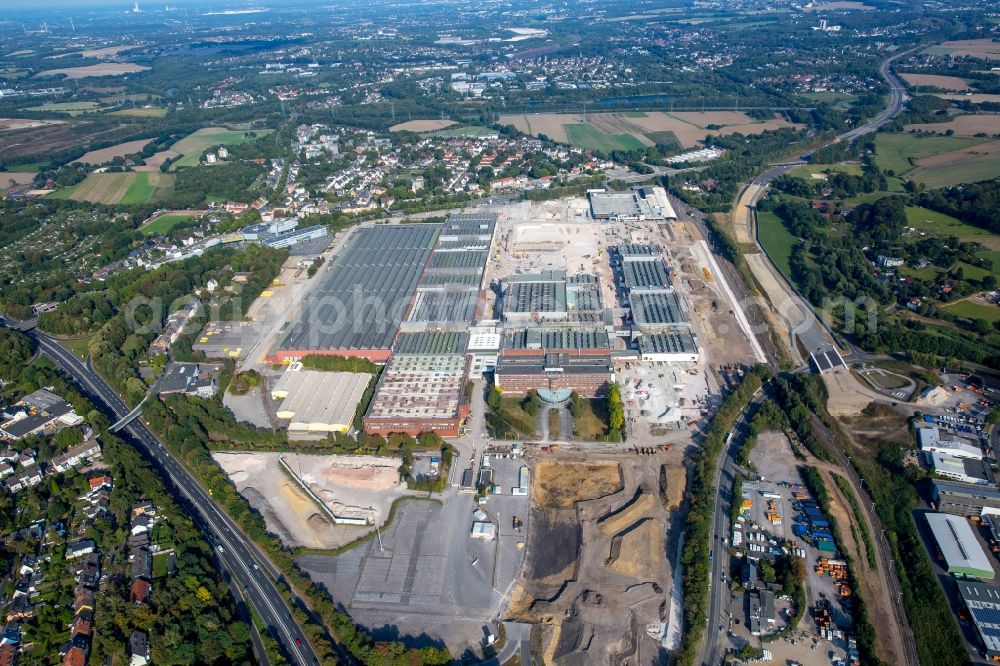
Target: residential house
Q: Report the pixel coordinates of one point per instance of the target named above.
(79, 548)
(76, 456)
(28, 478)
(138, 648)
(140, 590)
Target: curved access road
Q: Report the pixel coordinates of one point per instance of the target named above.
(240, 558)
(800, 318)
(805, 325)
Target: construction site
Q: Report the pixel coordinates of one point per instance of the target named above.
(597, 575)
(316, 501)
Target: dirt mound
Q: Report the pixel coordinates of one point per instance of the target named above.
(638, 550)
(318, 522)
(563, 484)
(634, 510)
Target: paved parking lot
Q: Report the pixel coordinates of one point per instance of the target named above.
(429, 577)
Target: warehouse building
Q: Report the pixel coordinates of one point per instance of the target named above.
(443, 306)
(313, 401)
(364, 296)
(422, 388)
(639, 203)
(534, 297)
(655, 310)
(965, 500)
(669, 347)
(537, 341)
(296, 236)
(963, 470)
(983, 603)
(962, 552)
(937, 440)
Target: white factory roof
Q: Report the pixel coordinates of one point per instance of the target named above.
(961, 550)
(319, 401)
(966, 470)
(942, 441)
(484, 342)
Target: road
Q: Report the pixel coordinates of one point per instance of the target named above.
(711, 650)
(813, 334)
(240, 559)
(804, 322)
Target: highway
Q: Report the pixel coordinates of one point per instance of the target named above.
(241, 561)
(814, 335)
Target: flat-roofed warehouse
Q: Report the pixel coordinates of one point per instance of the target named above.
(669, 347)
(656, 309)
(965, 500)
(642, 267)
(366, 293)
(537, 341)
(962, 552)
(639, 203)
(469, 225)
(444, 305)
(983, 603)
(422, 388)
(316, 401)
(535, 297)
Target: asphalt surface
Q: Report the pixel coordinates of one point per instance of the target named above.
(813, 337)
(240, 560)
(711, 651)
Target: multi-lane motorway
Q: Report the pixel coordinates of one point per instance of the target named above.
(240, 559)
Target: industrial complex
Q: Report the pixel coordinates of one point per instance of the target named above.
(433, 303)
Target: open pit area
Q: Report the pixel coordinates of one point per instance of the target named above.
(597, 574)
(349, 486)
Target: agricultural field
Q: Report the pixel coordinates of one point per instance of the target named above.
(975, 98)
(966, 165)
(119, 188)
(898, 152)
(776, 239)
(975, 309)
(986, 49)
(193, 146)
(103, 69)
(422, 125)
(816, 171)
(107, 51)
(156, 161)
(105, 155)
(964, 125)
(588, 137)
(150, 112)
(14, 124)
(953, 83)
(72, 108)
(11, 179)
(688, 128)
(466, 131)
(162, 224)
(936, 223)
